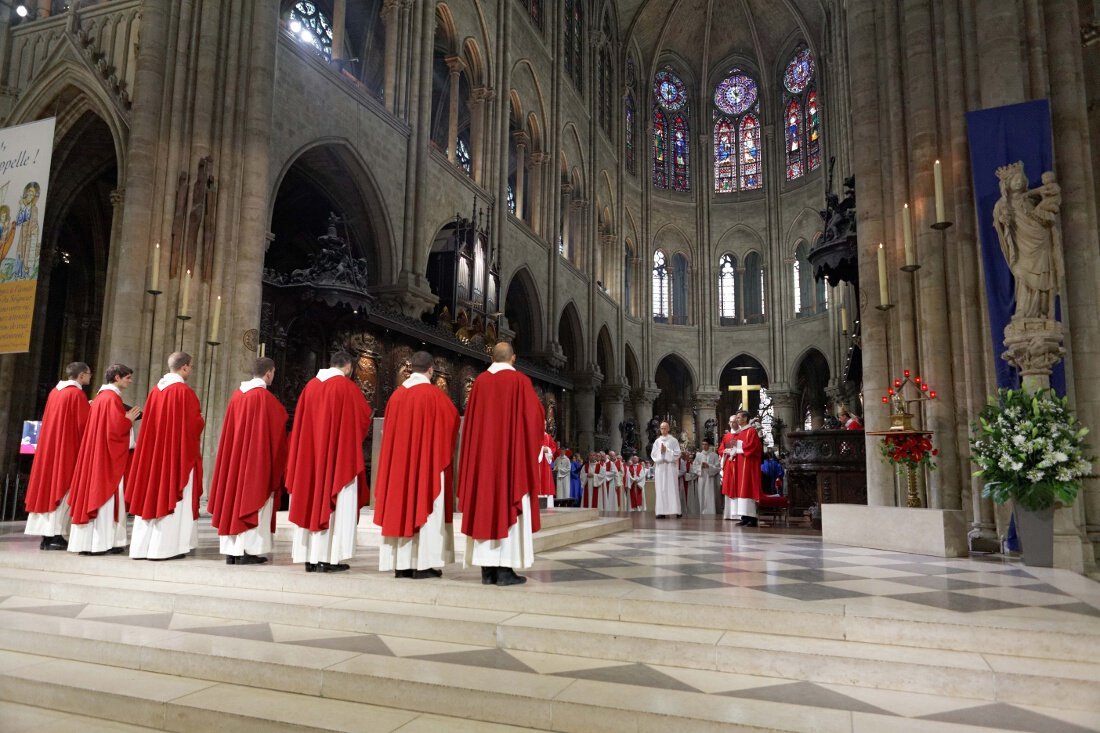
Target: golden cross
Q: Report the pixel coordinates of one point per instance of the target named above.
(744, 388)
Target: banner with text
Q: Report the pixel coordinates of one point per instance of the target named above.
(1000, 136)
(25, 153)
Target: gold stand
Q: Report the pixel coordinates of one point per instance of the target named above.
(912, 498)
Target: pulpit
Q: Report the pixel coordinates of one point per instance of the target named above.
(825, 467)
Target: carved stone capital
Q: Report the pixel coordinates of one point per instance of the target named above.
(522, 138)
(536, 159)
(118, 196)
(1033, 345)
(706, 399)
(615, 392)
(555, 355)
(455, 64)
(412, 296)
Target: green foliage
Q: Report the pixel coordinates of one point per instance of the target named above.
(1029, 447)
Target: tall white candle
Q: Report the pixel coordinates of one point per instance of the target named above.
(216, 320)
(883, 283)
(941, 210)
(154, 275)
(907, 230)
(263, 350)
(843, 319)
(185, 294)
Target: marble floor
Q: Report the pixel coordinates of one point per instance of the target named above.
(691, 612)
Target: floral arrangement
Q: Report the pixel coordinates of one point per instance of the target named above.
(1030, 448)
(909, 450)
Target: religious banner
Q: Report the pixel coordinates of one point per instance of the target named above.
(999, 137)
(25, 154)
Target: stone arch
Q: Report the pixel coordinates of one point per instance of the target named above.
(605, 355)
(571, 337)
(734, 240)
(676, 381)
(810, 378)
(633, 371)
(332, 176)
(752, 369)
(523, 310)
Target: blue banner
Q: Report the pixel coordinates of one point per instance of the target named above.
(1001, 136)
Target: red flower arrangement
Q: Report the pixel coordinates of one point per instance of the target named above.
(909, 450)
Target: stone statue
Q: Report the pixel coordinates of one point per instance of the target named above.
(1028, 227)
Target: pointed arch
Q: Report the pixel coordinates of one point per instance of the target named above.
(523, 309)
(571, 337)
(605, 354)
(632, 371)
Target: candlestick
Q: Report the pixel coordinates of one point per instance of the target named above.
(185, 294)
(843, 319)
(263, 350)
(216, 320)
(941, 213)
(907, 231)
(154, 275)
(883, 283)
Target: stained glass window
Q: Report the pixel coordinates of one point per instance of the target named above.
(796, 268)
(749, 141)
(725, 162)
(312, 27)
(681, 179)
(737, 158)
(660, 150)
(800, 71)
(792, 135)
(462, 152)
(727, 287)
(534, 11)
(660, 287)
(802, 116)
(511, 199)
(628, 121)
(680, 273)
(736, 94)
(669, 90)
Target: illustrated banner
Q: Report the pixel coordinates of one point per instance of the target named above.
(25, 153)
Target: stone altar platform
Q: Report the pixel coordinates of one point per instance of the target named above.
(936, 532)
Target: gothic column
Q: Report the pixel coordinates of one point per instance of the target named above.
(643, 412)
(785, 406)
(706, 408)
(613, 396)
(534, 167)
(585, 386)
(118, 200)
(456, 65)
(339, 16)
(480, 100)
(565, 233)
(390, 17)
(739, 293)
(601, 270)
(581, 245)
(521, 166)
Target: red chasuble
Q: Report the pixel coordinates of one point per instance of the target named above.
(166, 453)
(748, 464)
(63, 425)
(548, 488)
(104, 455)
(498, 464)
(251, 461)
(331, 422)
(418, 443)
(729, 466)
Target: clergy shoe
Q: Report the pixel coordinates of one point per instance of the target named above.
(163, 559)
(406, 573)
(743, 521)
(312, 567)
(247, 559)
(116, 550)
(661, 516)
(489, 576)
(428, 573)
(42, 545)
(679, 516)
(507, 576)
(330, 567)
(57, 542)
(230, 559)
(753, 522)
(89, 553)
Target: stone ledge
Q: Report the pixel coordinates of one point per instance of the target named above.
(936, 532)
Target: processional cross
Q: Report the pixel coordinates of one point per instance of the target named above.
(744, 388)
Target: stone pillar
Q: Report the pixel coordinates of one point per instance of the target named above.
(739, 294)
(566, 231)
(339, 13)
(43, 9)
(613, 396)
(1079, 236)
(391, 17)
(534, 167)
(521, 169)
(785, 406)
(479, 103)
(585, 386)
(581, 245)
(643, 411)
(602, 258)
(706, 408)
(456, 65)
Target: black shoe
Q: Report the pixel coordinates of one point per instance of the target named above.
(743, 521)
(247, 559)
(507, 576)
(661, 516)
(42, 545)
(489, 576)
(679, 516)
(428, 573)
(753, 522)
(230, 559)
(57, 542)
(116, 550)
(89, 553)
(311, 567)
(328, 567)
(163, 559)
(407, 573)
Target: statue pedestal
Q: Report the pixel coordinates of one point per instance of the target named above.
(936, 532)
(1033, 345)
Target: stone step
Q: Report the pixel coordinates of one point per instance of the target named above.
(153, 701)
(560, 527)
(245, 685)
(871, 665)
(286, 594)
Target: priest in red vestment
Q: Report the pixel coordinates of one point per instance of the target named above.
(248, 471)
(849, 421)
(499, 479)
(749, 451)
(164, 482)
(99, 511)
(546, 469)
(728, 464)
(63, 425)
(326, 474)
(414, 486)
